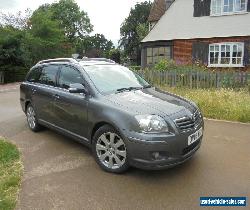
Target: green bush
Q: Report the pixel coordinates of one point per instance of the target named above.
(135, 68)
(165, 65)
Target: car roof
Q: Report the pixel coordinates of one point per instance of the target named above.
(83, 62)
(93, 63)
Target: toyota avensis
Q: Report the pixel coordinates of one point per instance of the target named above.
(114, 111)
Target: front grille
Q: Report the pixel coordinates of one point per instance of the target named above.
(187, 123)
(190, 148)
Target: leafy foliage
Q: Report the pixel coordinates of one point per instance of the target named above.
(115, 55)
(45, 39)
(48, 32)
(142, 30)
(133, 30)
(94, 46)
(11, 51)
(53, 30)
(165, 65)
(75, 22)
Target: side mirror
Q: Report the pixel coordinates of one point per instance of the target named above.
(77, 88)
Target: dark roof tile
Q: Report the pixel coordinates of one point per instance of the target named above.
(158, 9)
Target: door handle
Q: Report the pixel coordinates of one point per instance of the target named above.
(57, 96)
(33, 91)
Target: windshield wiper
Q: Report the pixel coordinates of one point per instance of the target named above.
(128, 89)
(147, 86)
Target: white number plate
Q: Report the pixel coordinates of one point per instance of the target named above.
(195, 136)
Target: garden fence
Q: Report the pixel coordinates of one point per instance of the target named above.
(197, 79)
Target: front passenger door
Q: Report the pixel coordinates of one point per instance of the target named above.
(71, 109)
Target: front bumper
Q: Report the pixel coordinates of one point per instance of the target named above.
(173, 149)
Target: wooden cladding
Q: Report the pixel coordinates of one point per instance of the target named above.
(200, 52)
(246, 60)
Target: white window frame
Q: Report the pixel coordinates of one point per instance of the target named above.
(231, 44)
(227, 13)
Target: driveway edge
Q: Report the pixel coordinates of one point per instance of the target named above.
(226, 121)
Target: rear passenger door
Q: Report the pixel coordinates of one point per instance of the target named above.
(71, 109)
(43, 93)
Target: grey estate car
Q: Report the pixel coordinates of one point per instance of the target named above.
(114, 111)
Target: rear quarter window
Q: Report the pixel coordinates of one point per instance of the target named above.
(34, 75)
(48, 75)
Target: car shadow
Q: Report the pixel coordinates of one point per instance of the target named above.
(135, 173)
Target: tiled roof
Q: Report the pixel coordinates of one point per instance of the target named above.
(179, 23)
(158, 9)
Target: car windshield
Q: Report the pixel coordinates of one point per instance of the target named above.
(114, 78)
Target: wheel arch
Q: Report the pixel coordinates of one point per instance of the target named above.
(99, 125)
(26, 105)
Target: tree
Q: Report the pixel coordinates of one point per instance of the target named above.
(45, 39)
(49, 32)
(42, 26)
(115, 55)
(94, 46)
(18, 20)
(11, 52)
(131, 34)
(142, 30)
(75, 22)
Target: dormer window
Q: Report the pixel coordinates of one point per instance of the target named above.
(227, 7)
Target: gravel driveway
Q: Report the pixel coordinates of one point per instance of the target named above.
(61, 174)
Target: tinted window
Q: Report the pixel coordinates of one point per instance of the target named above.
(69, 76)
(48, 75)
(34, 75)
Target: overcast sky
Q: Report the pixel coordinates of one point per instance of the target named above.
(105, 15)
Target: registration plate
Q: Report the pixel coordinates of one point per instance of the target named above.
(195, 136)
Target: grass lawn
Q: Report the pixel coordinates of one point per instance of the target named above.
(10, 175)
(223, 104)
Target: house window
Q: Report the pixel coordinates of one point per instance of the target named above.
(155, 54)
(224, 7)
(226, 54)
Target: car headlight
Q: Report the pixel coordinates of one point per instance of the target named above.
(152, 123)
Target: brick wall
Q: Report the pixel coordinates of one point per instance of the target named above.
(182, 49)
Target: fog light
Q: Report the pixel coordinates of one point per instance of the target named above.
(156, 155)
(159, 155)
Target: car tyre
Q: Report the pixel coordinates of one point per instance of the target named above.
(31, 119)
(110, 150)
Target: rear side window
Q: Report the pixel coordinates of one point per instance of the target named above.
(69, 75)
(48, 75)
(34, 75)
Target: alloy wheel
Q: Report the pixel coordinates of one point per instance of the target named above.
(31, 117)
(111, 150)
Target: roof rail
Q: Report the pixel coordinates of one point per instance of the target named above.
(97, 59)
(71, 60)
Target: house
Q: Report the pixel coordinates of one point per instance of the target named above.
(214, 32)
